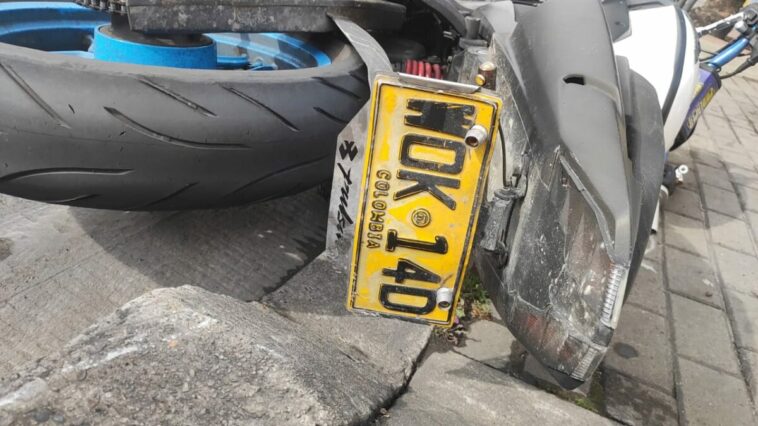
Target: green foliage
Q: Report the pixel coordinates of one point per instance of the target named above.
(473, 289)
(474, 299)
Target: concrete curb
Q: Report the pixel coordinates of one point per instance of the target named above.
(188, 356)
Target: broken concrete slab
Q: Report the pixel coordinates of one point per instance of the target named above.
(188, 356)
(450, 389)
(491, 343)
(315, 299)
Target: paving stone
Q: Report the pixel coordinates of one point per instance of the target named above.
(702, 148)
(719, 126)
(744, 177)
(736, 158)
(634, 403)
(701, 333)
(721, 200)
(745, 84)
(738, 121)
(715, 176)
(686, 234)
(742, 121)
(745, 106)
(743, 309)
(681, 155)
(751, 111)
(188, 356)
(692, 276)
(647, 290)
(703, 151)
(750, 361)
(654, 249)
(752, 218)
(641, 348)
(723, 136)
(749, 197)
(747, 136)
(711, 155)
(710, 397)
(738, 271)
(686, 203)
(730, 232)
(714, 108)
(449, 389)
(491, 343)
(738, 170)
(690, 180)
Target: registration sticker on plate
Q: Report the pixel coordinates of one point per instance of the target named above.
(421, 191)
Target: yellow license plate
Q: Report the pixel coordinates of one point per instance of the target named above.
(421, 192)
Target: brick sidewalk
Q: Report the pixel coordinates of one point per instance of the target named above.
(686, 350)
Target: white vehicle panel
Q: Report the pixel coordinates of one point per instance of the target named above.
(652, 49)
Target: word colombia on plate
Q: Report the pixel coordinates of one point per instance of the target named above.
(423, 178)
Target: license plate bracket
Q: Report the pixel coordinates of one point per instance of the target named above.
(421, 189)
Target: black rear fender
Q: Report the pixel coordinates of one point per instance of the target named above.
(592, 163)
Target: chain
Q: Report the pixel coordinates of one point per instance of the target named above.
(110, 6)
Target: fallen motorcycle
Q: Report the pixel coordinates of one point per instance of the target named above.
(529, 137)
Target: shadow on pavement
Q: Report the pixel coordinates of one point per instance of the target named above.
(243, 252)
(63, 269)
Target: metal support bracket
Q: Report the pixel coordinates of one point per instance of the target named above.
(493, 235)
(349, 156)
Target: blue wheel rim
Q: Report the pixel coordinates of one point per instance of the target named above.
(68, 29)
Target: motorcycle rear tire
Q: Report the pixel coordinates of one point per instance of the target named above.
(127, 137)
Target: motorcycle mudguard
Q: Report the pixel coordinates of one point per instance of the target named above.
(563, 239)
(247, 16)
